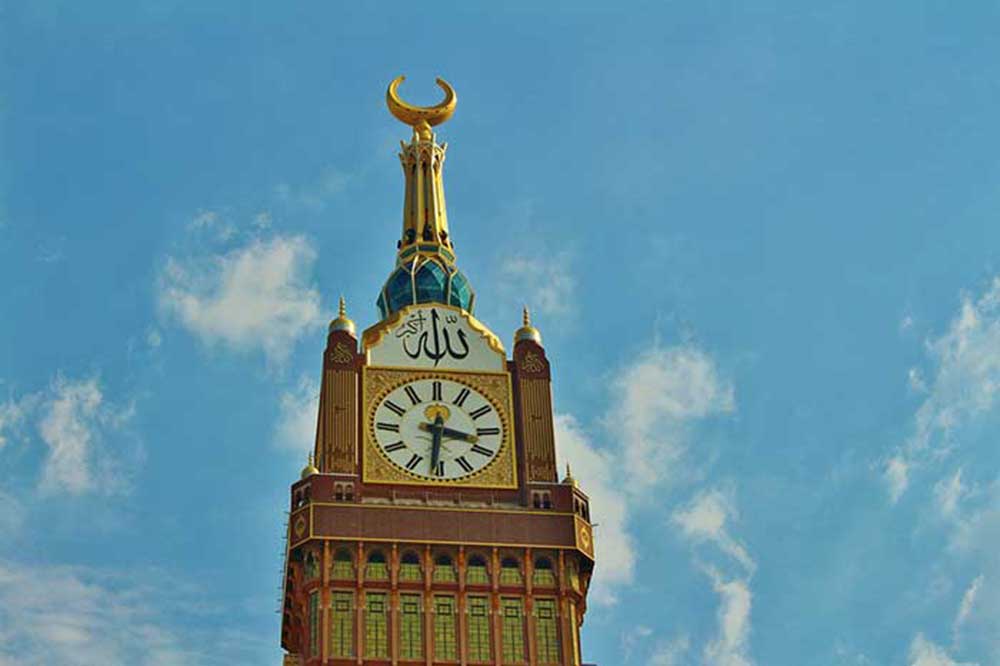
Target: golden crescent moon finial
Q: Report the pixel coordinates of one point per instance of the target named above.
(421, 118)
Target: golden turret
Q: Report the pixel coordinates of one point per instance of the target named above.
(342, 323)
(310, 468)
(425, 258)
(527, 331)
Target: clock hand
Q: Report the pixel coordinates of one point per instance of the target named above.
(449, 432)
(436, 434)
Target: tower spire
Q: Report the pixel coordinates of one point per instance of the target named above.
(425, 257)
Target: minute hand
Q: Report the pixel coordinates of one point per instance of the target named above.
(450, 433)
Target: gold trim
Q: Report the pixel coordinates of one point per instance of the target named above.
(374, 334)
(463, 509)
(377, 382)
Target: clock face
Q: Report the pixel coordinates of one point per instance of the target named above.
(438, 429)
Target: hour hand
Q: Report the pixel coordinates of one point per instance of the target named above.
(450, 433)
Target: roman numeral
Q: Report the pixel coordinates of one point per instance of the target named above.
(487, 431)
(390, 405)
(395, 446)
(414, 398)
(414, 461)
(482, 411)
(464, 464)
(391, 427)
(481, 450)
(439, 470)
(436, 391)
(460, 398)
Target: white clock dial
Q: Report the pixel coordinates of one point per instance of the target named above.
(438, 428)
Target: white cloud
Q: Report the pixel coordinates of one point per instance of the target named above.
(925, 653)
(949, 492)
(87, 616)
(11, 515)
(659, 396)
(153, 338)
(545, 283)
(615, 548)
(704, 520)
(296, 429)
(12, 417)
(316, 195)
(254, 297)
(670, 653)
(965, 384)
(75, 426)
(212, 222)
(897, 476)
(731, 646)
(967, 604)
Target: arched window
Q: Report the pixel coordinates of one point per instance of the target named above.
(512, 630)
(510, 572)
(445, 647)
(314, 623)
(444, 569)
(376, 568)
(475, 572)
(376, 625)
(312, 566)
(543, 576)
(478, 628)
(409, 567)
(546, 632)
(343, 565)
(342, 624)
(411, 642)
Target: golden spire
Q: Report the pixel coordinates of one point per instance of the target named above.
(425, 269)
(569, 480)
(342, 323)
(527, 331)
(310, 468)
(425, 217)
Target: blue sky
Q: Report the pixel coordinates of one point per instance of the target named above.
(760, 240)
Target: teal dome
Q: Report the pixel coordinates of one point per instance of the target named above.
(425, 280)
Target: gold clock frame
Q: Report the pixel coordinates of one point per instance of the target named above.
(377, 382)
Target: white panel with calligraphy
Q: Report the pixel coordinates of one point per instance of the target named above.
(438, 336)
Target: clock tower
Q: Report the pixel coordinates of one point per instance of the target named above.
(430, 525)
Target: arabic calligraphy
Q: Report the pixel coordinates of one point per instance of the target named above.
(434, 337)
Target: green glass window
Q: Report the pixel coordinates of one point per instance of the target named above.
(461, 292)
(431, 283)
(411, 644)
(546, 631)
(376, 626)
(475, 573)
(314, 620)
(479, 628)
(444, 570)
(543, 576)
(512, 630)
(343, 565)
(376, 569)
(444, 628)
(409, 568)
(510, 572)
(342, 624)
(400, 289)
